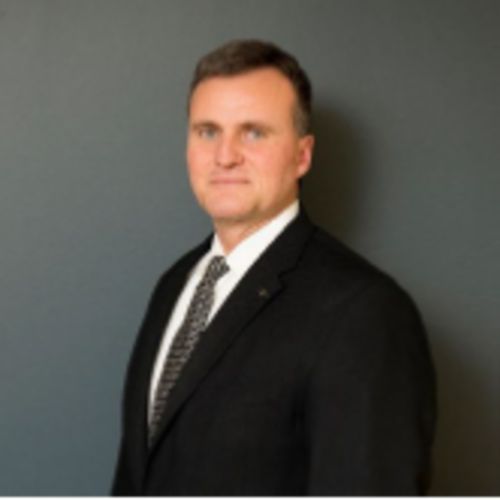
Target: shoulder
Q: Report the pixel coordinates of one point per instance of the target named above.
(366, 313)
(368, 317)
(186, 262)
(174, 277)
(334, 269)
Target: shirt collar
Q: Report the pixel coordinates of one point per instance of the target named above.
(250, 249)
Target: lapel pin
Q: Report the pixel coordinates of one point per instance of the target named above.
(263, 293)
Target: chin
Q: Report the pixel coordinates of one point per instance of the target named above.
(229, 210)
(227, 216)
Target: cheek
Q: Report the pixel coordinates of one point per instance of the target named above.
(197, 162)
(274, 168)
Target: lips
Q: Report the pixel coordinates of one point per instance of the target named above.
(228, 181)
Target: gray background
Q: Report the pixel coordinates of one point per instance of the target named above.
(94, 202)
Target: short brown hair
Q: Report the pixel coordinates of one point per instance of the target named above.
(241, 56)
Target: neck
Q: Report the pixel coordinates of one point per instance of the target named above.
(231, 235)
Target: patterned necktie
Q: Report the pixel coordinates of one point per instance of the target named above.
(185, 340)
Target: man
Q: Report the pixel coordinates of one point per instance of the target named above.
(272, 360)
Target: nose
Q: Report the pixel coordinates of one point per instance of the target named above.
(228, 153)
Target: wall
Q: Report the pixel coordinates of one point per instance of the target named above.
(94, 202)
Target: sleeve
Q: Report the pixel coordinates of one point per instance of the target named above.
(370, 400)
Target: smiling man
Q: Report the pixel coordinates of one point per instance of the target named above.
(272, 359)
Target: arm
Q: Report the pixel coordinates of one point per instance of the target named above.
(370, 403)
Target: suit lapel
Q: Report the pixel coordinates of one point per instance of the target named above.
(146, 350)
(258, 288)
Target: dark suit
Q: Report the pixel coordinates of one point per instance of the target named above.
(313, 378)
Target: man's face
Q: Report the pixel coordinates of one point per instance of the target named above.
(244, 153)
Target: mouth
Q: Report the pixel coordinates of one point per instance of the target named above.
(228, 182)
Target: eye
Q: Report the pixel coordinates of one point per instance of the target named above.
(208, 133)
(254, 133)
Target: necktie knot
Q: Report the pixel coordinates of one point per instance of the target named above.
(217, 267)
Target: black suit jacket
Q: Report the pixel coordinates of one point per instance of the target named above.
(313, 378)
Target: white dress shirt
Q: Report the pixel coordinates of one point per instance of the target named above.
(239, 261)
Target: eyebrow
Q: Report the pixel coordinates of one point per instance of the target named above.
(244, 125)
(205, 124)
(256, 124)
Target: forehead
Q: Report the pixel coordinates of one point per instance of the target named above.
(264, 90)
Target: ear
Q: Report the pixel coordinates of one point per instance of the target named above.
(304, 155)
